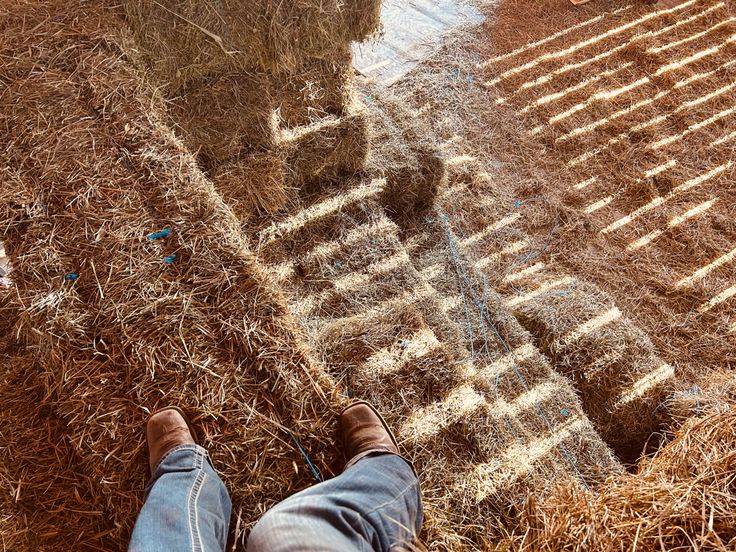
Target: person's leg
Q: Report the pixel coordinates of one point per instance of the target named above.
(374, 505)
(187, 507)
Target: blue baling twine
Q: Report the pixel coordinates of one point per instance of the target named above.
(161, 234)
(309, 462)
(488, 322)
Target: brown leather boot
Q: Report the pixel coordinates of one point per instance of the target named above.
(166, 429)
(364, 431)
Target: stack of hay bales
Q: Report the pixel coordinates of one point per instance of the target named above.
(120, 317)
(621, 378)
(259, 90)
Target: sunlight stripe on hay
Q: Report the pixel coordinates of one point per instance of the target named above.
(526, 401)
(725, 295)
(430, 420)
(646, 384)
(592, 208)
(510, 249)
(651, 34)
(490, 229)
(507, 362)
(521, 274)
(588, 42)
(733, 328)
(518, 460)
(541, 290)
(659, 169)
(692, 128)
(552, 37)
(585, 183)
(387, 360)
(432, 271)
(724, 139)
(460, 160)
(673, 222)
(647, 101)
(323, 209)
(690, 38)
(382, 267)
(325, 250)
(659, 200)
(574, 88)
(707, 269)
(592, 325)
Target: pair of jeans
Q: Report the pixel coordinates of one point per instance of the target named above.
(374, 505)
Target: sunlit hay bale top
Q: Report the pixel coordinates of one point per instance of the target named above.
(316, 89)
(327, 149)
(225, 116)
(621, 378)
(133, 320)
(714, 393)
(681, 499)
(185, 40)
(403, 152)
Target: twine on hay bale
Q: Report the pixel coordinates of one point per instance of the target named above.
(133, 332)
(188, 40)
(613, 363)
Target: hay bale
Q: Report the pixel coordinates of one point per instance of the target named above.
(138, 328)
(621, 378)
(361, 18)
(404, 153)
(682, 498)
(253, 185)
(317, 89)
(223, 117)
(327, 150)
(185, 41)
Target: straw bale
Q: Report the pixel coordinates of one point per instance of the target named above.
(327, 150)
(712, 393)
(362, 18)
(225, 116)
(681, 499)
(589, 340)
(316, 89)
(185, 41)
(133, 332)
(253, 184)
(404, 153)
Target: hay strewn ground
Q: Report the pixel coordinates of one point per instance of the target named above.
(431, 248)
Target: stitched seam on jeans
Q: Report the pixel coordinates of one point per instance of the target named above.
(362, 517)
(194, 493)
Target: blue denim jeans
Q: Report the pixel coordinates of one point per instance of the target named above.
(374, 505)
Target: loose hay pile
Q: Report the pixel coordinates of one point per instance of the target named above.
(684, 498)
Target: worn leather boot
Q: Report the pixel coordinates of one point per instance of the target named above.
(166, 429)
(364, 432)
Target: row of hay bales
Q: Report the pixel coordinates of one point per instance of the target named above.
(260, 91)
(106, 322)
